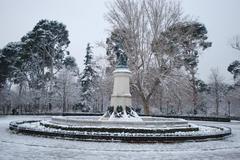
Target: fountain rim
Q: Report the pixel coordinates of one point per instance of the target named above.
(159, 121)
(121, 136)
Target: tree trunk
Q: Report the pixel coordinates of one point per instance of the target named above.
(9, 104)
(217, 106)
(51, 83)
(217, 98)
(20, 89)
(229, 108)
(146, 107)
(161, 100)
(194, 98)
(51, 75)
(147, 98)
(102, 102)
(42, 100)
(179, 106)
(64, 98)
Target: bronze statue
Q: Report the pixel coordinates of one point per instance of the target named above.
(121, 61)
(117, 49)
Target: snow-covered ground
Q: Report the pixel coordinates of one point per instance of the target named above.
(22, 147)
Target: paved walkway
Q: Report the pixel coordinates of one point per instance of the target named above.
(22, 147)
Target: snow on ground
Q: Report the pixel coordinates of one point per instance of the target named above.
(23, 147)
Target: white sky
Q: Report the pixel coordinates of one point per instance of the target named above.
(85, 21)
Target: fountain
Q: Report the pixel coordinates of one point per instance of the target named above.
(120, 122)
(121, 102)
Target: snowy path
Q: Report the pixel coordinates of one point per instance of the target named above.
(21, 147)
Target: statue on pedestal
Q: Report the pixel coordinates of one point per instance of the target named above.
(120, 108)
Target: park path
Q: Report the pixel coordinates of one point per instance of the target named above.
(23, 147)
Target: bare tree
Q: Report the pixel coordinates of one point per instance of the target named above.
(217, 88)
(140, 24)
(65, 88)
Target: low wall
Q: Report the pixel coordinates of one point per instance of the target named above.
(197, 118)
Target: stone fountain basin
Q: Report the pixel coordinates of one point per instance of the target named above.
(148, 122)
(151, 129)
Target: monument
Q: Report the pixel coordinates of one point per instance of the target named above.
(121, 101)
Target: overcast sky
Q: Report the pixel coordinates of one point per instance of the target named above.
(85, 21)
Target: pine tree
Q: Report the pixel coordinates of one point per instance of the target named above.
(234, 67)
(189, 39)
(47, 43)
(10, 62)
(88, 81)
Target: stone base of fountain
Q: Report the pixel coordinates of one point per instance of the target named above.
(90, 128)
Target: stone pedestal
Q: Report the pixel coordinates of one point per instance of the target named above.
(121, 101)
(121, 90)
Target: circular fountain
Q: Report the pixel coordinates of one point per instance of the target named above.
(120, 122)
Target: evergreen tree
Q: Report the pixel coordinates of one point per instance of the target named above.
(234, 68)
(47, 43)
(45, 49)
(189, 39)
(10, 62)
(88, 81)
